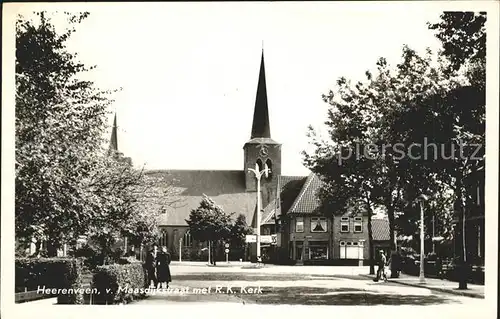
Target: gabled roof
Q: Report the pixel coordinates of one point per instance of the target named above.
(289, 188)
(307, 202)
(186, 188)
(380, 229)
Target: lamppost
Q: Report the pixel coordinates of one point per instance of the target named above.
(421, 199)
(180, 249)
(433, 232)
(258, 174)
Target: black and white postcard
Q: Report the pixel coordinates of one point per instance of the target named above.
(250, 159)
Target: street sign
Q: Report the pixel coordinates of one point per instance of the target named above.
(274, 239)
(226, 245)
(227, 250)
(264, 239)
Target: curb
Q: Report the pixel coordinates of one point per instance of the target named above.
(452, 292)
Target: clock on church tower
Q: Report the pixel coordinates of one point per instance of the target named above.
(263, 151)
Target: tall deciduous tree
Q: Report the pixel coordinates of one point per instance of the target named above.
(239, 230)
(368, 121)
(388, 123)
(209, 223)
(463, 36)
(66, 184)
(60, 121)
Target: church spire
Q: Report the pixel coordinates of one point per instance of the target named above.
(113, 144)
(260, 126)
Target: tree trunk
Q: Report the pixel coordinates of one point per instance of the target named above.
(392, 226)
(330, 239)
(371, 248)
(214, 252)
(462, 267)
(392, 236)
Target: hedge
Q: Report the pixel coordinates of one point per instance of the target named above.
(51, 273)
(409, 267)
(120, 283)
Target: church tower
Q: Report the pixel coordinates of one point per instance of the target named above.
(113, 145)
(261, 149)
(113, 142)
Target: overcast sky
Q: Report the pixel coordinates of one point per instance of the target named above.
(189, 71)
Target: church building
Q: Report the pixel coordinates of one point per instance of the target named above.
(289, 212)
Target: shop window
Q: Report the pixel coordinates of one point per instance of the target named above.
(317, 253)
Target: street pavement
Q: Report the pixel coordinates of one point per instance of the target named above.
(435, 284)
(244, 283)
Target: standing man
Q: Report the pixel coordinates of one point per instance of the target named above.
(382, 260)
(151, 265)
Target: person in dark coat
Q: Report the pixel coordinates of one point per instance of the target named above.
(396, 263)
(163, 267)
(151, 265)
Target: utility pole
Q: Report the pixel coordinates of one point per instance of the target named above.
(433, 233)
(421, 199)
(209, 252)
(180, 249)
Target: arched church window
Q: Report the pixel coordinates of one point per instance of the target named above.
(270, 166)
(260, 164)
(187, 239)
(163, 241)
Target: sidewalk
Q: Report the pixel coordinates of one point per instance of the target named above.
(204, 263)
(441, 285)
(41, 302)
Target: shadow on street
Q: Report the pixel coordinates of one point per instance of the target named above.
(340, 296)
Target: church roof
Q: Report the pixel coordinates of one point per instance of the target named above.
(185, 189)
(260, 126)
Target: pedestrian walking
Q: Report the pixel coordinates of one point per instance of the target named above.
(163, 267)
(150, 265)
(381, 271)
